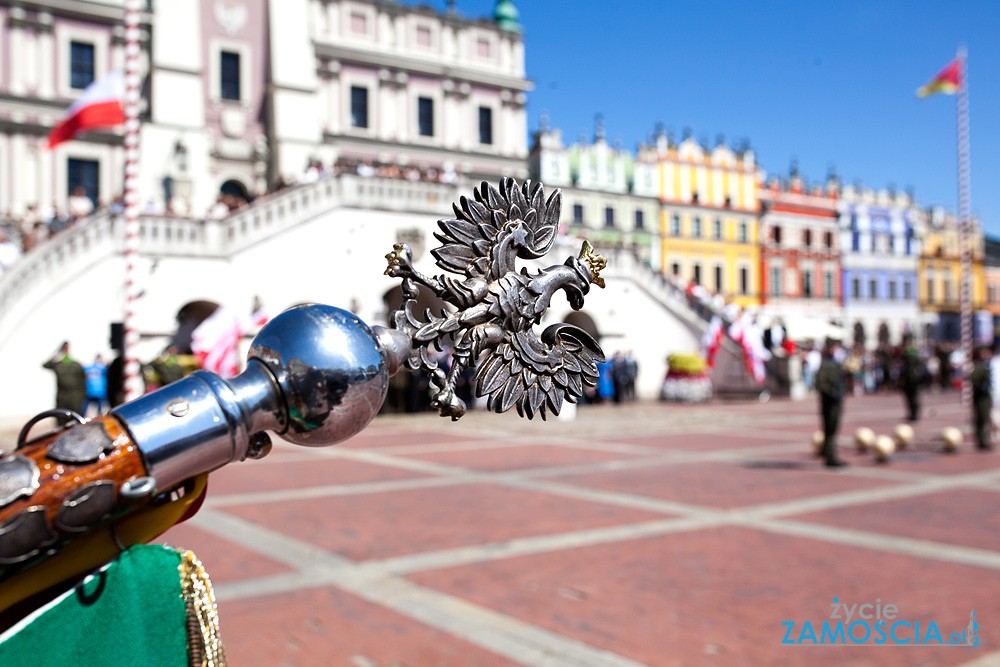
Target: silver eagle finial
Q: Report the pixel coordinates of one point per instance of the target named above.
(497, 305)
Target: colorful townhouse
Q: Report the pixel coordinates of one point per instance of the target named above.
(709, 215)
(941, 280)
(800, 251)
(607, 198)
(880, 241)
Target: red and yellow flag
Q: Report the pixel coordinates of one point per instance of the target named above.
(946, 81)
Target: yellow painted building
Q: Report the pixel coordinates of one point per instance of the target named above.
(709, 217)
(940, 273)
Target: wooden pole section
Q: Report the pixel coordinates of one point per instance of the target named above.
(133, 381)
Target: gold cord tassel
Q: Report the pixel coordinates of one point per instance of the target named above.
(205, 647)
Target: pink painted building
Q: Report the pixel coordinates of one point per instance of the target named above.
(242, 95)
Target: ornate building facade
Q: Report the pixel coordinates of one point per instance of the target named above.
(607, 197)
(709, 216)
(941, 279)
(800, 250)
(241, 95)
(52, 51)
(880, 241)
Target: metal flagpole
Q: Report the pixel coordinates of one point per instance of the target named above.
(964, 213)
(133, 381)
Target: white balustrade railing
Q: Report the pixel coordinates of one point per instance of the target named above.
(268, 216)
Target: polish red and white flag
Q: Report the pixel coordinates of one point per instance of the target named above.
(216, 343)
(100, 106)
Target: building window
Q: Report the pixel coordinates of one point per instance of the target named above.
(425, 116)
(81, 64)
(717, 229)
(855, 241)
(638, 220)
(83, 174)
(828, 240)
(892, 290)
(696, 273)
(807, 238)
(807, 284)
(609, 217)
(744, 280)
(675, 268)
(718, 278)
(359, 106)
(947, 288)
(828, 284)
(907, 290)
(675, 225)
(696, 227)
(930, 287)
(578, 213)
(485, 125)
(775, 281)
(423, 36)
(872, 289)
(229, 75)
(743, 232)
(359, 24)
(483, 48)
(856, 288)
(991, 293)
(776, 235)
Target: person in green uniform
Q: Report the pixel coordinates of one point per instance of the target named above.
(71, 380)
(982, 397)
(167, 368)
(830, 386)
(911, 375)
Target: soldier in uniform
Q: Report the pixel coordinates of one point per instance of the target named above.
(830, 385)
(167, 367)
(71, 380)
(982, 397)
(911, 376)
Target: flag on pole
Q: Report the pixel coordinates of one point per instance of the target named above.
(946, 82)
(99, 107)
(216, 342)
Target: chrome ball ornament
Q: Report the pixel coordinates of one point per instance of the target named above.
(332, 368)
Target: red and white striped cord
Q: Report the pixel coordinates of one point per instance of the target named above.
(133, 380)
(964, 212)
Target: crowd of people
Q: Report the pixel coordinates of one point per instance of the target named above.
(93, 389)
(893, 367)
(19, 234)
(908, 369)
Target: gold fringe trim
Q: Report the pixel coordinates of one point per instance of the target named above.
(205, 647)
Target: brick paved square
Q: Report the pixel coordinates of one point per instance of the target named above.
(250, 476)
(329, 628)
(381, 525)
(958, 516)
(722, 485)
(707, 441)
(718, 597)
(224, 560)
(395, 437)
(496, 459)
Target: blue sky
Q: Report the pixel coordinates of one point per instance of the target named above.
(825, 83)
